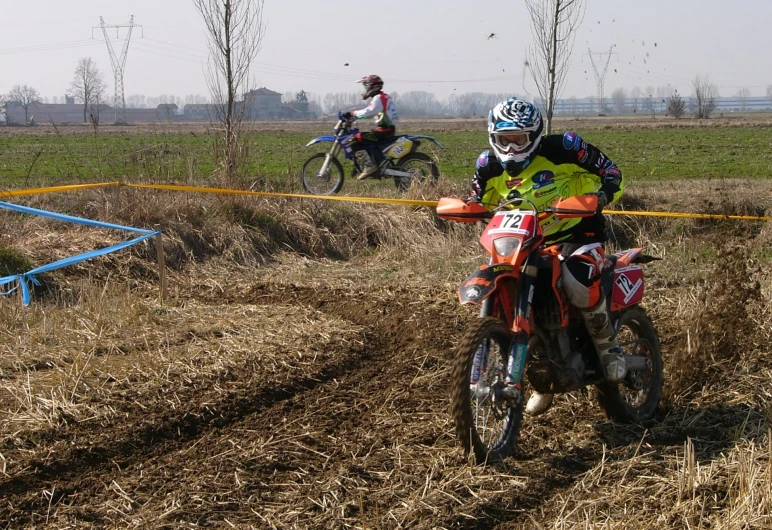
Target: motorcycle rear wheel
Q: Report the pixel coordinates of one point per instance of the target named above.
(622, 403)
(317, 184)
(422, 168)
(485, 429)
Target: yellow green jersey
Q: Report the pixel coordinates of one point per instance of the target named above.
(565, 166)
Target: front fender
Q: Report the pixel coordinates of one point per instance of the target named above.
(321, 139)
(423, 137)
(482, 282)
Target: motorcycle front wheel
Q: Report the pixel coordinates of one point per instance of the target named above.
(421, 168)
(486, 428)
(627, 402)
(316, 183)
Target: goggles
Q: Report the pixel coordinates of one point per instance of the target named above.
(516, 140)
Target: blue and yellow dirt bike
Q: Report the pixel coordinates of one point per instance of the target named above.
(396, 158)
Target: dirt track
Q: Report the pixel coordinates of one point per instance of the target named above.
(359, 437)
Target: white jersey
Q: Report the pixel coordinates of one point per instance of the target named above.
(383, 108)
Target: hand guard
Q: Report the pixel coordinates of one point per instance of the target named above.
(346, 115)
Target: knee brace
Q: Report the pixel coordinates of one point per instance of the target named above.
(581, 276)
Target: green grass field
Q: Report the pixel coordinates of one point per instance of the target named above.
(275, 157)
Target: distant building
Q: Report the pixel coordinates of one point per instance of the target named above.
(168, 111)
(259, 104)
(199, 111)
(45, 112)
(263, 98)
(658, 105)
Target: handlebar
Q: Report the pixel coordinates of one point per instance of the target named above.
(517, 201)
(453, 209)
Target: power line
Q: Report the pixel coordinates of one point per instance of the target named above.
(47, 47)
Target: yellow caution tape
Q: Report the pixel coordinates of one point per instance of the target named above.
(52, 189)
(691, 215)
(373, 200)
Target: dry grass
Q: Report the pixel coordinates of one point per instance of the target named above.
(296, 376)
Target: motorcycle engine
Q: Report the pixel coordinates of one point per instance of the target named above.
(571, 377)
(547, 377)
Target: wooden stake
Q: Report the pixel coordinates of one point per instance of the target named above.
(159, 247)
(117, 202)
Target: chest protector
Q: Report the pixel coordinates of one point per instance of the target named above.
(542, 183)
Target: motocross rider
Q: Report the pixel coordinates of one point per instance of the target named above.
(386, 118)
(542, 169)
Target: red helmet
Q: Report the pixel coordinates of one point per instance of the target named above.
(372, 83)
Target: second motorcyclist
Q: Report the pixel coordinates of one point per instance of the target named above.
(384, 110)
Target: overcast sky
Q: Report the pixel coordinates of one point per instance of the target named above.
(439, 46)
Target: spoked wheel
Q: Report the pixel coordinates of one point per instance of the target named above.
(421, 168)
(635, 400)
(317, 183)
(487, 424)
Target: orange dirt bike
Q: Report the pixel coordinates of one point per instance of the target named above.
(528, 328)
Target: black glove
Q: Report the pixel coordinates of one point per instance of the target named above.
(473, 197)
(602, 199)
(346, 115)
(514, 194)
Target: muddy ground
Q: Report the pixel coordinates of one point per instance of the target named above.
(311, 393)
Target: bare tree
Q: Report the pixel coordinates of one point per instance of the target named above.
(676, 106)
(705, 94)
(553, 23)
(769, 93)
(635, 95)
(419, 104)
(742, 96)
(343, 101)
(235, 31)
(24, 95)
(573, 106)
(192, 99)
(135, 101)
(662, 93)
(619, 100)
(3, 119)
(88, 86)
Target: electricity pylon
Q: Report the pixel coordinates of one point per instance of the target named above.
(600, 77)
(119, 64)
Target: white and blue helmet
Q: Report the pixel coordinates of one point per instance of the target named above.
(514, 132)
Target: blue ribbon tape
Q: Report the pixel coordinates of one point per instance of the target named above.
(22, 280)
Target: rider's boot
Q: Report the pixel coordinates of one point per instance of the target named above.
(538, 404)
(604, 337)
(366, 163)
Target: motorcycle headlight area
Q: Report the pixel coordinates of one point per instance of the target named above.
(507, 246)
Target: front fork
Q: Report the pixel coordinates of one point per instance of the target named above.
(522, 325)
(332, 154)
(518, 351)
(480, 362)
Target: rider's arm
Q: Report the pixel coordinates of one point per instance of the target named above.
(371, 110)
(569, 148)
(486, 168)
